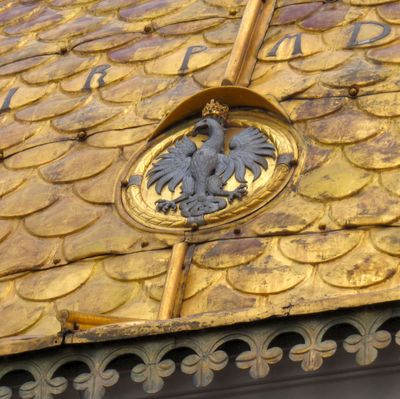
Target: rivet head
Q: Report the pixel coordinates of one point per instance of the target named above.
(147, 29)
(237, 231)
(353, 91)
(81, 136)
(144, 244)
(232, 12)
(56, 261)
(124, 183)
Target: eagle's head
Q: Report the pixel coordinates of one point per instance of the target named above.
(206, 126)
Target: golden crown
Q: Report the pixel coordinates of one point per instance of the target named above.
(214, 108)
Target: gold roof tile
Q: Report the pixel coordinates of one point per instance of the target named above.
(78, 164)
(6, 226)
(54, 105)
(300, 110)
(38, 155)
(389, 53)
(184, 28)
(90, 115)
(22, 252)
(133, 267)
(15, 133)
(60, 68)
(224, 33)
(294, 12)
(391, 181)
(218, 255)
(104, 6)
(86, 298)
(24, 95)
(107, 235)
(360, 210)
(10, 180)
(322, 61)
(387, 240)
(335, 179)
(384, 104)
(389, 12)
(317, 248)
(18, 12)
(212, 75)
(53, 283)
(107, 43)
(199, 279)
(23, 65)
(30, 197)
(64, 217)
(379, 152)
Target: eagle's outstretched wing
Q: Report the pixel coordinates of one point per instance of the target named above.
(171, 168)
(248, 149)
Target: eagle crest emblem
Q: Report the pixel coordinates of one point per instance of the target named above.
(202, 172)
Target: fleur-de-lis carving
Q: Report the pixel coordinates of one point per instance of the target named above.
(258, 361)
(366, 346)
(43, 388)
(203, 366)
(93, 384)
(152, 374)
(311, 354)
(5, 393)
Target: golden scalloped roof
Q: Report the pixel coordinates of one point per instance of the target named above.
(83, 83)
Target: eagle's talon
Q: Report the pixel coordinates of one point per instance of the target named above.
(238, 193)
(164, 205)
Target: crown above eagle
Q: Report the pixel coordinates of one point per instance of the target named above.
(214, 108)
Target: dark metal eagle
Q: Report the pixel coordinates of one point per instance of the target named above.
(204, 171)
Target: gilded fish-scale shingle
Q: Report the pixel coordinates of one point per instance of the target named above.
(294, 13)
(386, 240)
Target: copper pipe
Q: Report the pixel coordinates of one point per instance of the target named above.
(172, 281)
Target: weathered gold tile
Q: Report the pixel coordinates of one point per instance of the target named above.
(224, 34)
(53, 283)
(10, 180)
(15, 133)
(335, 179)
(32, 49)
(217, 298)
(5, 289)
(90, 115)
(44, 18)
(368, 2)
(137, 266)
(389, 53)
(151, 9)
(226, 3)
(360, 210)
(6, 227)
(50, 107)
(331, 15)
(383, 104)
(387, 239)
(320, 247)
(369, 34)
(199, 279)
(17, 11)
(285, 47)
(321, 62)
(389, 12)
(9, 43)
(391, 181)
(108, 235)
(83, 82)
(300, 110)
(346, 126)
(185, 28)
(121, 138)
(23, 65)
(185, 14)
(25, 95)
(60, 68)
(379, 152)
(38, 155)
(289, 215)
(213, 75)
(107, 43)
(154, 287)
(100, 188)
(362, 267)
(19, 314)
(284, 84)
(86, 299)
(294, 13)
(32, 196)
(66, 216)
(269, 274)
(21, 252)
(66, 3)
(78, 26)
(157, 106)
(152, 46)
(357, 72)
(47, 325)
(105, 6)
(136, 88)
(316, 156)
(172, 64)
(218, 255)
(139, 306)
(79, 164)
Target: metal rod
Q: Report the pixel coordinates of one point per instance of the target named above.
(172, 281)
